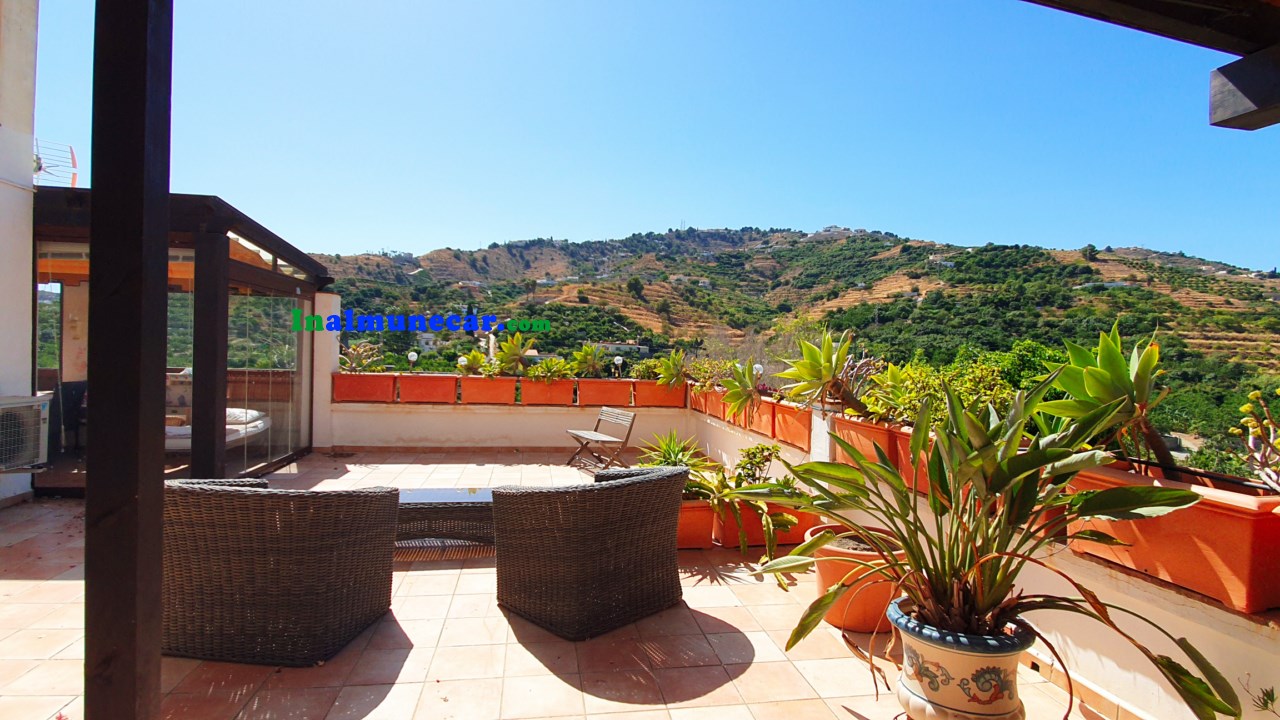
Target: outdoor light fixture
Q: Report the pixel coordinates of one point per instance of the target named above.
(413, 358)
(617, 364)
(758, 368)
(462, 360)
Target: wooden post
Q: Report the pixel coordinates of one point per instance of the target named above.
(129, 228)
(209, 391)
(1245, 94)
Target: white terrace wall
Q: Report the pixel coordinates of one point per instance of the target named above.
(17, 120)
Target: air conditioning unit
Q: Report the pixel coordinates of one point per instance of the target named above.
(24, 431)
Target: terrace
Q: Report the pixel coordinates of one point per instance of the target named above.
(80, 628)
(446, 650)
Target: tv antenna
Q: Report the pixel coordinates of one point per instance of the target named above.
(54, 165)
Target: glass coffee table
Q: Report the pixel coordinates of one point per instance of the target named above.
(449, 513)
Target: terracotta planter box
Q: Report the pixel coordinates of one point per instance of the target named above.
(488, 391)
(697, 401)
(361, 387)
(696, 521)
(761, 420)
(428, 388)
(916, 477)
(650, 394)
(540, 392)
(862, 608)
(864, 436)
(1223, 546)
(614, 393)
(714, 400)
(725, 530)
(792, 425)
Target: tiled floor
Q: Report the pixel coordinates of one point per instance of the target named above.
(446, 650)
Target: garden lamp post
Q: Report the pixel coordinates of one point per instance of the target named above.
(617, 365)
(413, 358)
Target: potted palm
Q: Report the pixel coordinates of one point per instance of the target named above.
(549, 382)
(590, 364)
(997, 495)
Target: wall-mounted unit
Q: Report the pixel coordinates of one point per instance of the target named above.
(24, 431)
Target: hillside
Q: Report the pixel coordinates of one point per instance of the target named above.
(901, 294)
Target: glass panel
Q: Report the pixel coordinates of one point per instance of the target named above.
(48, 326)
(264, 382)
(246, 252)
(180, 351)
(285, 268)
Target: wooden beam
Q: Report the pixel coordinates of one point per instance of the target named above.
(1245, 94)
(132, 70)
(1240, 27)
(209, 366)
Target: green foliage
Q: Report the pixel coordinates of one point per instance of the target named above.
(707, 374)
(473, 363)
(669, 450)
(635, 286)
(552, 368)
(672, 369)
(997, 494)
(742, 390)
(820, 374)
(510, 355)
(361, 358)
(646, 369)
(1260, 435)
(590, 361)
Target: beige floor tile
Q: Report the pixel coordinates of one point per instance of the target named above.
(390, 666)
(698, 686)
(542, 696)
(549, 658)
(792, 710)
(839, 677)
(37, 644)
(376, 702)
(36, 707)
(723, 712)
(202, 706)
(51, 677)
(744, 647)
(762, 682)
(468, 662)
(474, 631)
(477, 699)
(677, 620)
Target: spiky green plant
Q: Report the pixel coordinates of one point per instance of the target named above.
(473, 363)
(590, 361)
(671, 451)
(997, 495)
(511, 355)
(824, 373)
(552, 368)
(742, 390)
(672, 369)
(362, 357)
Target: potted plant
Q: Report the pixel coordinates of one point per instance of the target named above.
(548, 382)
(744, 404)
(696, 511)
(360, 379)
(746, 521)
(862, 607)
(996, 486)
(660, 382)
(828, 376)
(481, 384)
(705, 375)
(590, 364)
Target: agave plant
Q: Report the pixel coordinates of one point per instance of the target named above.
(742, 389)
(672, 369)
(1099, 377)
(998, 493)
(670, 451)
(825, 373)
(473, 363)
(363, 357)
(590, 361)
(511, 355)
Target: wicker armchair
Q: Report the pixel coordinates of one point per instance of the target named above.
(583, 560)
(274, 577)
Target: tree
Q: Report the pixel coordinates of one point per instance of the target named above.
(663, 307)
(1089, 252)
(530, 285)
(636, 287)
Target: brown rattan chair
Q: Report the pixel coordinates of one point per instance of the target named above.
(273, 577)
(583, 560)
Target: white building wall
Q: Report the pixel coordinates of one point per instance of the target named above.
(17, 121)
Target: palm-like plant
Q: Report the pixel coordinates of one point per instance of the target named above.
(670, 451)
(672, 369)
(361, 358)
(589, 362)
(742, 390)
(998, 493)
(511, 355)
(824, 373)
(552, 368)
(1098, 377)
(473, 363)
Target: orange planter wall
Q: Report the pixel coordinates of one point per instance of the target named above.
(650, 394)
(864, 437)
(714, 400)
(696, 521)
(428, 388)
(359, 387)
(488, 391)
(725, 530)
(538, 392)
(615, 393)
(1224, 546)
(698, 401)
(762, 419)
(792, 425)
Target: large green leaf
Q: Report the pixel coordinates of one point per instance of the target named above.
(1074, 409)
(1133, 503)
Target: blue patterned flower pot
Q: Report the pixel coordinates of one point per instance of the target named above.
(952, 676)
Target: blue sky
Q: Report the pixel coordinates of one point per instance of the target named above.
(413, 125)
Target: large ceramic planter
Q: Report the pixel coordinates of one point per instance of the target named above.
(696, 521)
(614, 393)
(792, 425)
(542, 392)
(864, 605)
(725, 529)
(488, 391)
(951, 676)
(360, 387)
(428, 388)
(1223, 546)
(650, 394)
(864, 437)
